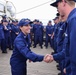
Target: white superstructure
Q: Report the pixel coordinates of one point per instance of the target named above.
(7, 8)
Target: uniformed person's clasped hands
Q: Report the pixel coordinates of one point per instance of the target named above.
(48, 58)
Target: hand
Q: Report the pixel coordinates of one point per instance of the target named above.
(49, 34)
(64, 70)
(48, 58)
(17, 33)
(52, 37)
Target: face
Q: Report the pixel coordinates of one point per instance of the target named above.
(5, 23)
(35, 22)
(26, 29)
(14, 23)
(49, 23)
(61, 9)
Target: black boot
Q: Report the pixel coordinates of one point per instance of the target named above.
(41, 47)
(34, 47)
(4, 51)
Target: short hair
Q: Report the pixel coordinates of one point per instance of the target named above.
(70, 2)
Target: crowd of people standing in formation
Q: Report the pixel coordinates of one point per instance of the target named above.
(39, 33)
(8, 32)
(61, 36)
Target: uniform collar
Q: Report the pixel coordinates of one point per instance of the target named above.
(71, 13)
(25, 36)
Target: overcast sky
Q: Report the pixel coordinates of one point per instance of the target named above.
(44, 12)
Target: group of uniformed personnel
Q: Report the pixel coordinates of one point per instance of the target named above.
(61, 36)
(42, 34)
(8, 32)
(65, 49)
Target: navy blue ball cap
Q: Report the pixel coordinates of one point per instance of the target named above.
(56, 18)
(50, 21)
(4, 21)
(36, 20)
(24, 22)
(13, 21)
(54, 4)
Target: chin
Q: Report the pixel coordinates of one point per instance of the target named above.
(28, 32)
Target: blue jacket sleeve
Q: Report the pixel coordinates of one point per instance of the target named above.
(26, 52)
(60, 55)
(72, 38)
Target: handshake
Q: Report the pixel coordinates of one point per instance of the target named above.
(48, 58)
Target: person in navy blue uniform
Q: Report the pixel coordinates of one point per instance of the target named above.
(67, 10)
(59, 40)
(53, 34)
(56, 20)
(2, 37)
(7, 32)
(15, 30)
(61, 48)
(22, 52)
(52, 39)
(10, 37)
(48, 34)
(38, 34)
(33, 25)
